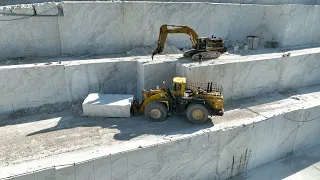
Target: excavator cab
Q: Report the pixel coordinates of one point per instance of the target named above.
(205, 43)
(202, 43)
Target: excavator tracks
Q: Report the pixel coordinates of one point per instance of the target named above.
(189, 53)
(205, 55)
(198, 56)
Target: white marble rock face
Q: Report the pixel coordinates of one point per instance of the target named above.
(309, 130)
(30, 37)
(91, 28)
(102, 168)
(105, 78)
(132, 24)
(255, 77)
(65, 173)
(155, 74)
(48, 174)
(84, 171)
(107, 105)
(112, 27)
(25, 177)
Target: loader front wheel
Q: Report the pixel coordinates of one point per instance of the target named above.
(197, 114)
(155, 111)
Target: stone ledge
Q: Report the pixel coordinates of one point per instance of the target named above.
(107, 105)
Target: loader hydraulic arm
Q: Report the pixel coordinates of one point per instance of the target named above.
(164, 31)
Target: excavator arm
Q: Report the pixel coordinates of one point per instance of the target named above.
(164, 31)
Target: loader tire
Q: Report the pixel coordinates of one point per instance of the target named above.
(155, 111)
(197, 114)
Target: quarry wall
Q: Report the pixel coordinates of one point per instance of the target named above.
(267, 2)
(247, 78)
(115, 27)
(28, 86)
(220, 152)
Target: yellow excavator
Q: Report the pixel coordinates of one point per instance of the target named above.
(197, 101)
(202, 47)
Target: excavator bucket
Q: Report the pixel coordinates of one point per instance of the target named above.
(156, 51)
(153, 53)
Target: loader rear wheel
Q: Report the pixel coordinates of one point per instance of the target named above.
(197, 113)
(155, 111)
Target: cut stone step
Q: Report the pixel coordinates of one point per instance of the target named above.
(107, 105)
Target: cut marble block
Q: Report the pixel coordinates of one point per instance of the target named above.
(102, 168)
(25, 177)
(107, 105)
(48, 174)
(65, 173)
(84, 171)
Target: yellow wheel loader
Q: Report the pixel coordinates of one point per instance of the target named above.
(203, 47)
(197, 101)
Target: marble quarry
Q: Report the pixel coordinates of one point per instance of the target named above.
(74, 49)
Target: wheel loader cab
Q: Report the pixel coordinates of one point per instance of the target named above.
(179, 86)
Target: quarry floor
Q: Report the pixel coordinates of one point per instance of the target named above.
(52, 139)
(172, 55)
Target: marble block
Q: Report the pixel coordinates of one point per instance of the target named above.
(25, 177)
(102, 168)
(48, 174)
(107, 105)
(65, 173)
(84, 171)
(308, 132)
(119, 166)
(47, 9)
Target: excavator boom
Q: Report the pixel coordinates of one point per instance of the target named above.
(164, 31)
